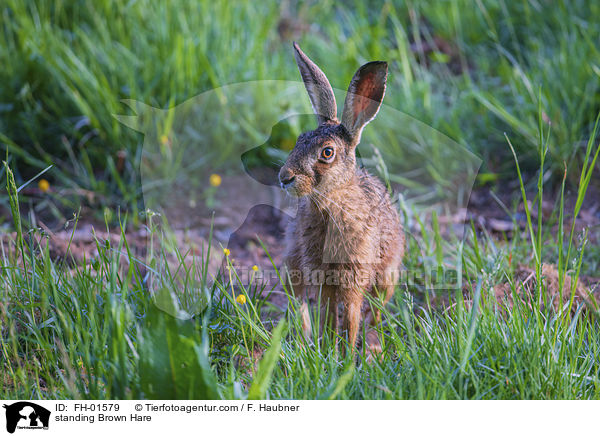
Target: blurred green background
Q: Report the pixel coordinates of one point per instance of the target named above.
(470, 69)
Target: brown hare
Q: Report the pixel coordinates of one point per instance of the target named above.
(346, 238)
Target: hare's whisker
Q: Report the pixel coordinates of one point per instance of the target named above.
(316, 201)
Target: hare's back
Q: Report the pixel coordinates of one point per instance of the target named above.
(375, 192)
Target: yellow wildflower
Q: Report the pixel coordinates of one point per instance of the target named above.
(255, 268)
(241, 299)
(44, 185)
(226, 251)
(215, 180)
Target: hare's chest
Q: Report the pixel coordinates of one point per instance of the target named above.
(311, 235)
(329, 239)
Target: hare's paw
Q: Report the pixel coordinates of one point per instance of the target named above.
(373, 345)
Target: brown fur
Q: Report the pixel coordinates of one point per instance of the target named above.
(346, 228)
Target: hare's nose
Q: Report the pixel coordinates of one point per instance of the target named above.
(286, 178)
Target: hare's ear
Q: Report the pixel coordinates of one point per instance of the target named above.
(364, 97)
(318, 87)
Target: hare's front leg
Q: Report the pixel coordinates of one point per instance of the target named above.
(329, 312)
(301, 294)
(353, 299)
(295, 284)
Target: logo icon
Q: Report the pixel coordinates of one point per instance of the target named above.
(26, 415)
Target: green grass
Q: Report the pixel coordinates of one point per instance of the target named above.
(96, 331)
(78, 60)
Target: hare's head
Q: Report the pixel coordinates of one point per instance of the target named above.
(324, 158)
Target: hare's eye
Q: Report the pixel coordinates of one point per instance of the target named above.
(327, 153)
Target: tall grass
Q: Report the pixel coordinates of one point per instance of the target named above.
(95, 330)
(469, 71)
